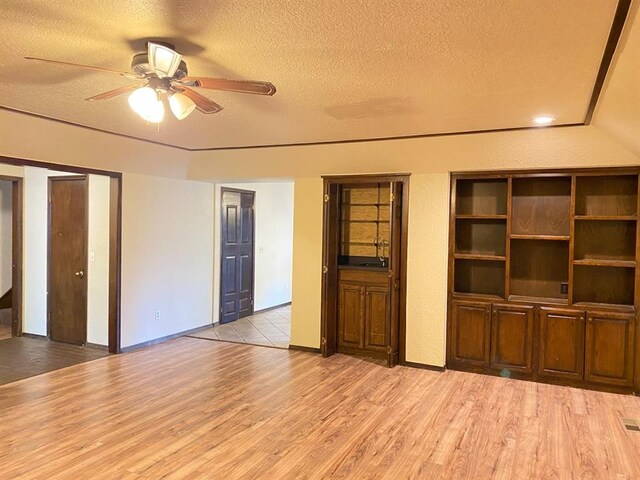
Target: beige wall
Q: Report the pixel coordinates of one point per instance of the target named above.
(167, 257)
(307, 262)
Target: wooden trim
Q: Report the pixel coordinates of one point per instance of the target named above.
(23, 162)
(268, 309)
(166, 338)
(96, 346)
(17, 256)
(87, 127)
(300, 348)
(115, 262)
(619, 19)
(423, 366)
(224, 190)
(50, 181)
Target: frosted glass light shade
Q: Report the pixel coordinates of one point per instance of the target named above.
(145, 102)
(181, 105)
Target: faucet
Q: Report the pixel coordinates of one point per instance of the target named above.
(381, 244)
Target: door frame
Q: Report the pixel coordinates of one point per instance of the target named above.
(85, 253)
(16, 253)
(330, 237)
(115, 240)
(223, 190)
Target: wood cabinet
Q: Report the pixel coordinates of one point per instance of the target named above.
(609, 348)
(364, 320)
(512, 337)
(351, 315)
(561, 350)
(470, 333)
(543, 283)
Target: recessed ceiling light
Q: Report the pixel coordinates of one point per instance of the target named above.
(543, 120)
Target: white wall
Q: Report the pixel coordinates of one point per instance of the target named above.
(167, 257)
(98, 262)
(6, 232)
(273, 243)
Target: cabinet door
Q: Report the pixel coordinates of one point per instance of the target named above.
(469, 339)
(609, 348)
(351, 315)
(561, 350)
(512, 337)
(376, 317)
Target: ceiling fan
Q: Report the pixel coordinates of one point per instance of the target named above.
(161, 74)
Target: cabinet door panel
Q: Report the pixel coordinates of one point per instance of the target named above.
(609, 348)
(512, 337)
(470, 325)
(351, 316)
(376, 317)
(561, 343)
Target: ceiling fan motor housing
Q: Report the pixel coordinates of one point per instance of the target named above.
(140, 66)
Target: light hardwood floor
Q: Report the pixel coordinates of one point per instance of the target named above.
(192, 408)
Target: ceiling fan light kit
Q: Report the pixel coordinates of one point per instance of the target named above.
(166, 79)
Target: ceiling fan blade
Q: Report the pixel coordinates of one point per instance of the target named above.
(240, 86)
(112, 93)
(203, 104)
(90, 67)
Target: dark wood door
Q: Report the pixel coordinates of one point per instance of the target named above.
(561, 349)
(67, 276)
(512, 337)
(237, 227)
(351, 310)
(609, 348)
(376, 319)
(470, 333)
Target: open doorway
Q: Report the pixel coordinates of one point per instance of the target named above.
(253, 264)
(52, 221)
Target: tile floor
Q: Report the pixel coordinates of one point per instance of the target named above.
(271, 328)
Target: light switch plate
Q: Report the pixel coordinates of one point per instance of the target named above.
(92, 256)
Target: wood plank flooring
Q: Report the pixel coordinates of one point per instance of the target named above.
(191, 409)
(23, 357)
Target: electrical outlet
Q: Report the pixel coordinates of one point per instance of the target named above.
(157, 315)
(564, 288)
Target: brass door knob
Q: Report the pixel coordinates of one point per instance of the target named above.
(80, 274)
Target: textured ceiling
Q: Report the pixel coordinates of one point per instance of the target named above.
(344, 69)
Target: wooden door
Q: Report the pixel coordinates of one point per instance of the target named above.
(376, 318)
(331, 240)
(67, 279)
(395, 273)
(237, 258)
(470, 333)
(512, 337)
(351, 310)
(609, 348)
(561, 348)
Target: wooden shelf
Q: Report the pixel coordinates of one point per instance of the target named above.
(346, 204)
(539, 237)
(479, 296)
(528, 299)
(604, 305)
(602, 262)
(478, 256)
(615, 218)
(365, 221)
(461, 216)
